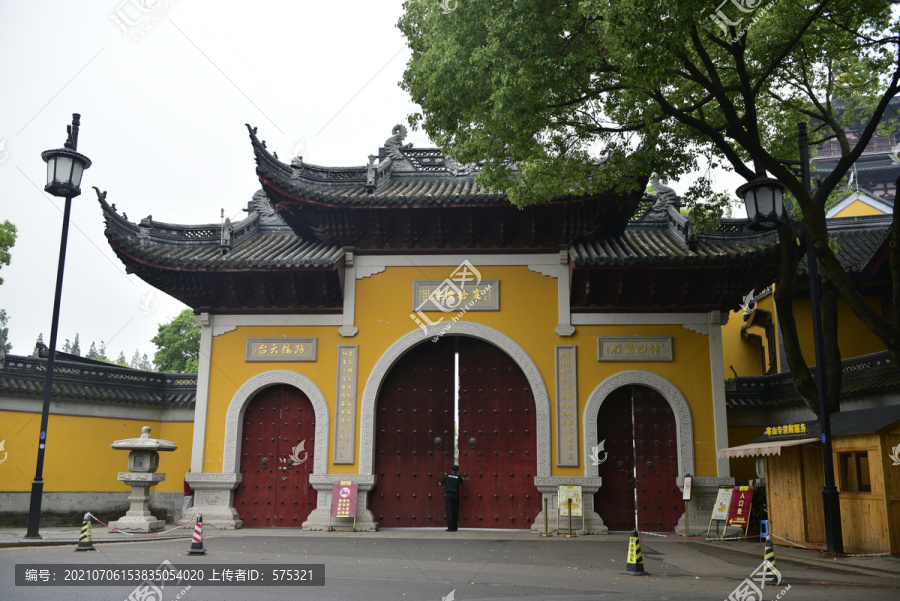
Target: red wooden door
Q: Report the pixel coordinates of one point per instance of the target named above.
(277, 459)
(414, 431)
(614, 502)
(639, 428)
(497, 441)
(659, 498)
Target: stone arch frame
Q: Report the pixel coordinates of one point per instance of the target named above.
(459, 328)
(684, 427)
(234, 419)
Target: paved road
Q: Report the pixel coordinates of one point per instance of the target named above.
(428, 566)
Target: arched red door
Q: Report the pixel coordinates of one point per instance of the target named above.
(415, 429)
(638, 426)
(277, 446)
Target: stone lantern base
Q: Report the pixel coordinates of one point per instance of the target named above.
(138, 517)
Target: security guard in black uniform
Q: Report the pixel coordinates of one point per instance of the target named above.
(451, 483)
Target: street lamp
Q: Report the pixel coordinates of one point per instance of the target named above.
(764, 199)
(65, 167)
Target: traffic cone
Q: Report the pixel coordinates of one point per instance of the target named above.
(635, 562)
(85, 543)
(197, 542)
(770, 572)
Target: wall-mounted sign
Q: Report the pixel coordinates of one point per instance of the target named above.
(786, 430)
(566, 407)
(634, 348)
(281, 349)
(453, 296)
(345, 418)
(688, 483)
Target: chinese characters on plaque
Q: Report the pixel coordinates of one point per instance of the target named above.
(566, 407)
(739, 508)
(345, 418)
(634, 348)
(452, 296)
(281, 349)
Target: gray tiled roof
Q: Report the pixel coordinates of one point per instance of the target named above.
(26, 376)
(858, 240)
(655, 245)
(866, 375)
(252, 246)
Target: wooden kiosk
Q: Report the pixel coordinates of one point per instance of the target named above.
(866, 445)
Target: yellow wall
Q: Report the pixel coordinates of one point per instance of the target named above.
(741, 354)
(857, 209)
(528, 315)
(854, 339)
(78, 456)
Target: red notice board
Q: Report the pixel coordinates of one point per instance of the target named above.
(343, 499)
(739, 510)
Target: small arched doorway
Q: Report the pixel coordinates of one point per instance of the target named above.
(640, 436)
(276, 459)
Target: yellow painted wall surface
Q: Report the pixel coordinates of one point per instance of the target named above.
(859, 208)
(854, 339)
(528, 315)
(744, 356)
(78, 456)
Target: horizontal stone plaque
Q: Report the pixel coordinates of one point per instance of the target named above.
(281, 349)
(634, 348)
(453, 296)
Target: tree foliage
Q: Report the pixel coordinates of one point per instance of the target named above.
(566, 97)
(4, 331)
(178, 344)
(74, 347)
(8, 235)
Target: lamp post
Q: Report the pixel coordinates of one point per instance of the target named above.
(65, 167)
(764, 198)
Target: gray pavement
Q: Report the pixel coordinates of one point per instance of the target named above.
(474, 564)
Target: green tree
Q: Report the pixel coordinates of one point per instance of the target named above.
(74, 347)
(121, 360)
(567, 97)
(4, 331)
(8, 235)
(92, 352)
(178, 344)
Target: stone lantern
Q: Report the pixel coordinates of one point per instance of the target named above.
(143, 461)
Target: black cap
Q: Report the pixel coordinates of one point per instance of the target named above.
(455, 468)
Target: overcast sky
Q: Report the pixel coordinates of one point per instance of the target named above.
(164, 88)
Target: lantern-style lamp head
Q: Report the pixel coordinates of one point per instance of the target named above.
(764, 199)
(65, 166)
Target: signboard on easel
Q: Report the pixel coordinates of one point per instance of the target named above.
(720, 509)
(564, 495)
(739, 508)
(343, 501)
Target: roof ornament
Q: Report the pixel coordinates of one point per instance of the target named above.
(227, 231)
(370, 174)
(101, 196)
(261, 204)
(458, 169)
(393, 144)
(665, 198)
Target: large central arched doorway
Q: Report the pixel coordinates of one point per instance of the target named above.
(276, 459)
(641, 439)
(465, 392)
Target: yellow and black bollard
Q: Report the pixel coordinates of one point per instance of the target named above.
(770, 572)
(85, 543)
(635, 562)
(197, 542)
